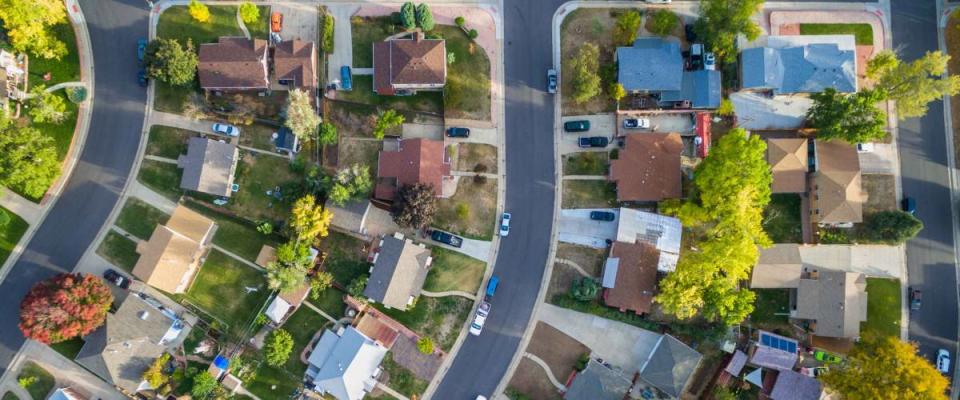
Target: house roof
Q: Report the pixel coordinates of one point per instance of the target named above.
(267, 255)
(408, 62)
(661, 231)
(788, 163)
(377, 330)
(838, 194)
(779, 266)
(670, 365)
(67, 393)
(343, 365)
(635, 281)
(651, 64)
(598, 382)
(648, 167)
(802, 69)
(208, 166)
(773, 358)
(296, 60)
(233, 63)
(836, 300)
(169, 259)
(701, 88)
(277, 309)
(398, 273)
(350, 216)
(736, 364)
(792, 385)
(415, 161)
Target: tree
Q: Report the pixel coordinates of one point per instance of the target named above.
(408, 16)
(663, 22)
(277, 347)
(319, 283)
(301, 118)
(585, 66)
(425, 17)
(721, 21)
(617, 91)
(28, 160)
(854, 118)
(472, 34)
(884, 367)
(47, 106)
(154, 374)
(309, 220)
(350, 183)
(355, 289)
(913, 85)
(169, 62)
(425, 345)
(327, 38)
(249, 12)
(29, 23)
(286, 278)
(293, 252)
(387, 119)
(198, 11)
(64, 307)
(892, 227)
(203, 385)
(460, 21)
(626, 28)
(726, 108)
(415, 206)
(585, 289)
(328, 134)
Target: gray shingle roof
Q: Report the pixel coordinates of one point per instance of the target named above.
(701, 88)
(350, 216)
(598, 382)
(398, 273)
(802, 69)
(343, 366)
(670, 365)
(208, 166)
(836, 300)
(791, 385)
(651, 64)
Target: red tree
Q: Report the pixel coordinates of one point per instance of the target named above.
(64, 307)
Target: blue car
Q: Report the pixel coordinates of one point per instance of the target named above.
(141, 50)
(346, 78)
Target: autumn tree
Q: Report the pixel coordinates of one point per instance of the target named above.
(249, 12)
(663, 22)
(425, 345)
(47, 106)
(915, 84)
(351, 183)
(892, 227)
(319, 283)
(309, 220)
(301, 117)
(721, 21)
(166, 60)
(415, 206)
(278, 346)
(626, 28)
(198, 11)
(28, 160)
(28, 25)
(854, 118)
(585, 77)
(617, 91)
(154, 374)
(884, 367)
(64, 307)
(386, 120)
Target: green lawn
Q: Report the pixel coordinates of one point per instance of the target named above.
(586, 163)
(161, 177)
(273, 382)
(168, 142)
(365, 31)
(261, 28)
(476, 157)
(11, 233)
(346, 257)
(66, 69)
(258, 136)
(883, 307)
(438, 318)
(236, 235)
(769, 303)
(862, 32)
(139, 218)
(363, 93)
(69, 348)
(219, 289)
(176, 23)
(331, 302)
(468, 77)
(589, 194)
(44, 383)
(454, 271)
(256, 174)
(168, 98)
(119, 251)
(302, 325)
(401, 379)
(781, 218)
(9, 396)
(61, 133)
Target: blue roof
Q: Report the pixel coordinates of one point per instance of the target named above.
(701, 88)
(802, 69)
(651, 64)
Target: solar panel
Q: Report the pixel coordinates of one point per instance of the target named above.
(778, 342)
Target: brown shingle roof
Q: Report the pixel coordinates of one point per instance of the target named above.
(415, 161)
(648, 168)
(837, 195)
(410, 63)
(788, 163)
(296, 60)
(375, 329)
(636, 279)
(233, 63)
(170, 258)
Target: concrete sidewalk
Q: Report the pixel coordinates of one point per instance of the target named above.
(26, 209)
(66, 372)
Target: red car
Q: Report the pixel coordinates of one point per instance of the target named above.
(276, 21)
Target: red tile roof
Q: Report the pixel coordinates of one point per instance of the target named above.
(416, 161)
(409, 63)
(648, 168)
(636, 281)
(233, 63)
(296, 60)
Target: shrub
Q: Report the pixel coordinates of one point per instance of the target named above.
(463, 210)
(582, 362)
(585, 66)
(585, 289)
(265, 228)
(460, 21)
(663, 22)
(472, 34)
(154, 374)
(408, 16)
(76, 94)
(278, 346)
(327, 39)
(625, 30)
(425, 345)
(356, 287)
(26, 381)
(892, 227)
(249, 12)
(203, 385)
(320, 282)
(198, 11)
(425, 17)
(726, 108)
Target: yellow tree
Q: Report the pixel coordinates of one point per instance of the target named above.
(884, 367)
(309, 220)
(28, 24)
(198, 11)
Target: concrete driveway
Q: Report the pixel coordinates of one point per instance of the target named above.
(681, 123)
(621, 345)
(872, 260)
(575, 226)
(299, 21)
(342, 40)
(882, 160)
(426, 131)
(479, 249)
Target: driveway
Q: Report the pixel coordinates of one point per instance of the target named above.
(479, 249)
(873, 260)
(575, 226)
(681, 123)
(342, 40)
(299, 21)
(67, 372)
(882, 160)
(426, 131)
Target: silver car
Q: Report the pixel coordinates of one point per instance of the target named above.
(226, 130)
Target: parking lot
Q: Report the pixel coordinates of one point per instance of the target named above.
(576, 227)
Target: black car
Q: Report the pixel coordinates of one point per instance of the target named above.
(602, 215)
(116, 278)
(916, 297)
(458, 132)
(446, 238)
(690, 34)
(576, 126)
(594, 141)
(142, 78)
(909, 204)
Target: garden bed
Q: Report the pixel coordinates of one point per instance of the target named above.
(139, 218)
(479, 199)
(44, 381)
(454, 271)
(119, 251)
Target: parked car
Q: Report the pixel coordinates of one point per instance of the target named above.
(828, 358)
(141, 50)
(276, 21)
(594, 141)
(142, 78)
(576, 126)
(943, 361)
(458, 132)
(505, 224)
(602, 215)
(446, 238)
(916, 297)
(226, 129)
(709, 62)
(479, 318)
(116, 278)
(865, 147)
(909, 204)
(551, 80)
(813, 372)
(689, 33)
(636, 123)
(346, 78)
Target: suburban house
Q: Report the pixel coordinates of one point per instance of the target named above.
(774, 352)
(399, 269)
(599, 382)
(67, 393)
(209, 166)
(406, 63)
(663, 232)
(800, 64)
(234, 64)
(13, 70)
(138, 332)
(670, 366)
(630, 276)
(788, 164)
(835, 191)
(648, 167)
(172, 256)
(344, 364)
(792, 385)
(701, 88)
(295, 64)
(411, 161)
(373, 324)
(655, 66)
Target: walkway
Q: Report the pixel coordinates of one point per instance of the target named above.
(159, 159)
(574, 265)
(238, 258)
(56, 87)
(391, 392)
(546, 369)
(243, 27)
(319, 311)
(138, 190)
(21, 206)
(470, 296)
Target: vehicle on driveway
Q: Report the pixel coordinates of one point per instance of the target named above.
(909, 205)
(865, 147)
(603, 215)
(551, 81)
(943, 361)
(576, 126)
(116, 278)
(594, 141)
(709, 62)
(141, 50)
(346, 78)
(916, 298)
(505, 224)
(226, 129)
(828, 358)
(458, 132)
(276, 21)
(446, 238)
(636, 123)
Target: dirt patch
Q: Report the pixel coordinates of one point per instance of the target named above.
(952, 37)
(364, 152)
(406, 354)
(530, 380)
(588, 258)
(561, 279)
(881, 191)
(587, 25)
(355, 120)
(470, 212)
(476, 157)
(558, 350)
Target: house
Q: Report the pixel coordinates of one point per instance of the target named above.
(233, 64)
(399, 269)
(172, 256)
(630, 276)
(648, 167)
(285, 303)
(351, 216)
(663, 232)
(208, 166)
(411, 161)
(651, 65)
(599, 382)
(701, 88)
(774, 352)
(295, 64)
(344, 364)
(286, 142)
(800, 64)
(405, 63)
(788, 164)
(134, 335)
(13, 70)
(67, 393)
(792, 385)
(670, 366)
(836, 194)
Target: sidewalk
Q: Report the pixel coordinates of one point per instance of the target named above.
(66, 372)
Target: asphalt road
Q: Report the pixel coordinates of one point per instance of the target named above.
(96, 182)
(923, 158)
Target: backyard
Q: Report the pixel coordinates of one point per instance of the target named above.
(862, 32)
(781, 218)
(469, 212)
(477, 157)
(586, 163)
(771, 307)
(437, 318)
(258, 174)
(302, 325)
(259, 136)
(883, 307)
(10, 233)
(139, 218)
(586, 25)
(589, 194)
(454, 271)
(363, 152)
(236, 235)
(273, 382)
(362, 92)
(346, 257)
(230, 291)
(119, 250)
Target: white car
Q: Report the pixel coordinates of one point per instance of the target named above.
(225, 129)
(636, 123)
(943, 361)
(709, 62)
(477, 325)
(865, 147)
(505, 224)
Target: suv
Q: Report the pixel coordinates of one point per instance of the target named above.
(636, 123)
(602, 215)
(116, 278)
(576, 126)
(458, 132)
(446, 238)
(943, 361)
(594, 141)
(916, 297)
(551, 80)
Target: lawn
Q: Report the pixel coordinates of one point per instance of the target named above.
(168, 142)
(402, 380)
(176, 23)
(256, 174)
(139, 218)
(862, 32)
(11, 233)
(69, 348)
(236, 235)
(258, 136)
(119, 251)
(769, 303)
(881, 193)
(161, 177)
(273, 382)
(261, 28)
(589, 194)
(477, 157)
(591, 260)
(883, 307)
(346, 257)
(365, 31)
(61, 133)
(478, 197)
(468, 77)
(781, 218)
(438, 318)
(9, 396)
(586, 25)
(331, 302)
(454, 271)
(220, 290)
(586, 163)
(66, 69)
(354, 119)
(44, 380)
(302, 325)
(363, 93)
(171, 99)
(363, 152)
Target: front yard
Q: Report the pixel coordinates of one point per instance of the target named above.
(477, 157)
(781, 218)
(400, 379)
(588, 258)
(10, 233)
(44, 381)
(470, 212)
(467, 92)
(229, 291)
(119, 251)
(454, 271)
(437, 318)
(161, 177)
(883, 307)
(586, 163)
(881, 193)
(862, 32)
(139, 218)
(168, 142)
(589, 194)
(365, 31)
(586, 25)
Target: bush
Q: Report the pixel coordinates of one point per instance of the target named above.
(460, 21)
(663, 22)
(278, 346)
(582, 362)
(27, 381)
(625, 30)
(408, 16)
(592, 307)
(356, 287)
(326, 40)
(726, 108)
(585, 66)
(585, 289)
(833, 236)
(76, 94)
(249, 12)
(463, 210)
(472, 34)
(891, 227)
(425, 17)
(425, 345)
(154, 374)
(198, 11)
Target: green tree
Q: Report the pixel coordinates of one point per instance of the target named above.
(319, 283)
(351, 183)
(293, 252)
(387, 119)
(726, 108)
(28, 160)
(286, 278)
(425, 17)
(408, 16)
(663, 22)
(169, 62)
(585, 289)
(198, 11)
(355, 289)
(309, 220)
(249, 12)
(892, 227)
(460, 21)
(626, 28)
(617, 91)
(913, 85)
(28, 24)
(884, 367)
(154, 374)
(415, 206)
(854, 118)
(203, 385)
(328, 134)
(27, 381)
(721, 21)
(302, 119)
(586, 80)
(327, 38)
(47, 106)
(425, 345)
(277, 347)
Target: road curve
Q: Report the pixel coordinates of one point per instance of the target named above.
(96, 182)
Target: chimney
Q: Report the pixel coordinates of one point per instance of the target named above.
(143, 315)
(418, 36)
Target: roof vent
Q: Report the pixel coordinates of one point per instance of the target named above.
(143, 315)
